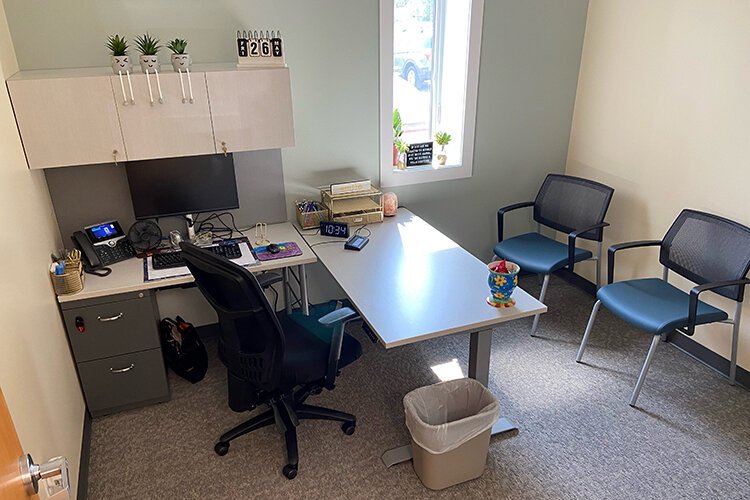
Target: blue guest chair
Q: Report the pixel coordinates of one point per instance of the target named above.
(564, 203)
(708, 250)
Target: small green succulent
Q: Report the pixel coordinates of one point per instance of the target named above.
(148, 45)
(443, 138)
(401, 145)
(177, 46)
(117, 45)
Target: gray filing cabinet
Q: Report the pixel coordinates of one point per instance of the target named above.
(115, 343)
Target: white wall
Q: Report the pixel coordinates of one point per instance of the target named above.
(662, 115)
(36, 369)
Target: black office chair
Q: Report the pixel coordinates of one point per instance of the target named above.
(708, 250)
(271, 359)
(564, 203)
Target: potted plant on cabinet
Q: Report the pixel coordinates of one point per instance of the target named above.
(442, 138)
(149, 48)
(401, 147)
(118, 47)
(180, 59)
(398, 129)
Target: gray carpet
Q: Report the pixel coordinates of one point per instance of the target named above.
(578, 437)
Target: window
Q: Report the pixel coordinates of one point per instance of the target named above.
(429, 71)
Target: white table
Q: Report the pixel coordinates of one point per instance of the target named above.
(127, 276)
(412, 283)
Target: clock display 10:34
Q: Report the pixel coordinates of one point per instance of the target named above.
(337, 229)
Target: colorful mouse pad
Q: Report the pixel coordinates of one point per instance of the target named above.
(285, 250)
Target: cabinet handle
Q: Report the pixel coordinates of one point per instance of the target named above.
(182, 88)
(150, 92)
(114, 156)
(122, 86)
(158, 86)
(224, 147)
(122, 370)
(111, 318)
(190, 85)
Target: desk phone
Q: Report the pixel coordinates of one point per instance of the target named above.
(102, 244)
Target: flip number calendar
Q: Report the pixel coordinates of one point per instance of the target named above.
(259, 49)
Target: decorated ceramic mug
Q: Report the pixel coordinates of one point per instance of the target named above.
(502, 283)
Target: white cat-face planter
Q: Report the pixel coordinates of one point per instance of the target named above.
(121, 64)
(181, 62)
(149, 64)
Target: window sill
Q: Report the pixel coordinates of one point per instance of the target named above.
(394, 177)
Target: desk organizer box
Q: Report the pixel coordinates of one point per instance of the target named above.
(71, 281)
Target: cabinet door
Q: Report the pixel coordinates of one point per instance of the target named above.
(169, 128)
(251, 109)
(67, 121)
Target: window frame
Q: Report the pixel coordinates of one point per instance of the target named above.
(390, 177)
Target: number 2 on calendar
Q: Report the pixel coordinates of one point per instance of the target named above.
(254, 52)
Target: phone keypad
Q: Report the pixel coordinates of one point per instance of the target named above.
(123, 250)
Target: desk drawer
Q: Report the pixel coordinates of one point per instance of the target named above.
(112, 328)
(123, 381)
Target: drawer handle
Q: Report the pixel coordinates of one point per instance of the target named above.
(111, 318)
(122, 370)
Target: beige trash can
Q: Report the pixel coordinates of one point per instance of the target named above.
(450, 425)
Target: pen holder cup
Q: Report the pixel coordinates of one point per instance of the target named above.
(71, 281)
(312, 219)
(502, 285)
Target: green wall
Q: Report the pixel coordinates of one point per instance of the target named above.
(531, 51)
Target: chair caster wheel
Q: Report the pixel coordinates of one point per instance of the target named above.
(221, 448)
(317, 391)
(289, 471)
(348, 428)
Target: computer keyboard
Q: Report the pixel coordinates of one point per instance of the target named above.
(174, 259)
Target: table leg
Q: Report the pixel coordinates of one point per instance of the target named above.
(480, 349)
(287, 292)
(303, 290)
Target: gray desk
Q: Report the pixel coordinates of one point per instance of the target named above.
(112, 326)
(412, 283)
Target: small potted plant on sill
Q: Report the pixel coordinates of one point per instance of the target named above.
(118, 47)
(398, 129)
(402, 147)
(180, 59)
(442, 138)
(149, 48)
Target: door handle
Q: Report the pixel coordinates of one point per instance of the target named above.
(56, 470)
(122, 370)
(111, 318)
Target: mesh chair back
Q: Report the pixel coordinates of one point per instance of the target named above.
(567, 203)
(705, 248)
(251, 345)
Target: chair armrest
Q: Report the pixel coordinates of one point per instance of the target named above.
(572, 241)
(624, 246)
(501, 216)
(337, 320)
(697, 290)
(267, 279)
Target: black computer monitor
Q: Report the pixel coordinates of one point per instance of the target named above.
(179, 186)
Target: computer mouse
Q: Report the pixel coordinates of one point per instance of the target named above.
(273, 248)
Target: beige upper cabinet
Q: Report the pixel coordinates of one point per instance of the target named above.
(173, 127)
(251, 109)
(67, 121)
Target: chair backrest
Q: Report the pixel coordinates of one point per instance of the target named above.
(705, 248)
(252, 342)
(566, 203)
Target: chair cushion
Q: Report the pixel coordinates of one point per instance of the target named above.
(538, 254)
(306, 351)
(654, 305)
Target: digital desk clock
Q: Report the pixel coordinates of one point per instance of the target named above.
(337, 229)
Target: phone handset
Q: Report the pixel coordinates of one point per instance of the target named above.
(91, 262)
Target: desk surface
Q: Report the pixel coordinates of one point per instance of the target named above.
(127, 276)
(411, 282)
